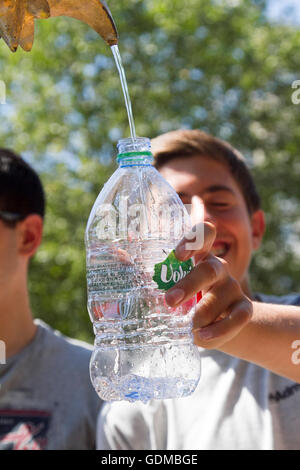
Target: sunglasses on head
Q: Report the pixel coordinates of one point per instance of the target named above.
(10, 216)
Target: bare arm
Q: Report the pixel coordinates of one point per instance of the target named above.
(226, 319)
(271, 339)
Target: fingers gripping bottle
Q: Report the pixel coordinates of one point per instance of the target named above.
(143, 348)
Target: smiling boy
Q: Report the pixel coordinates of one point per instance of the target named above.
(246, 398)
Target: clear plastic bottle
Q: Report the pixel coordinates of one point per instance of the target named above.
(143, 348)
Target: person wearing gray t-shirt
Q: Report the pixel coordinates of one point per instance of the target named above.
(46, 397)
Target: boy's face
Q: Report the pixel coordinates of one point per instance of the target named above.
(216, 197)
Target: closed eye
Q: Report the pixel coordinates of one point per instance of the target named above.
(220, 205)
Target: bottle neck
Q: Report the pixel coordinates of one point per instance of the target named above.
(135, 159)
(135, 152)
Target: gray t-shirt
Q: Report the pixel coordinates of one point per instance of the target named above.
(237, 405)
(46, 397)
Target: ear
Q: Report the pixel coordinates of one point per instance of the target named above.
(30, 231)
(258, 225)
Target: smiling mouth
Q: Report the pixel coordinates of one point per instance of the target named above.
(220, 249)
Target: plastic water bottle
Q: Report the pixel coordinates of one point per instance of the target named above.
(143, 348)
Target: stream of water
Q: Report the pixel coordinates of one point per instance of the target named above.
(118, 60)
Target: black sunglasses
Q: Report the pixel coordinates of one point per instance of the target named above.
(10, 216)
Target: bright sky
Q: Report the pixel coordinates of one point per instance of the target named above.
(287, 11)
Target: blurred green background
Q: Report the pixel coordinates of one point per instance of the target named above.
(221, 66)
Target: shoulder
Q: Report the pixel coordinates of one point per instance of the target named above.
(60, 374)
(290, 299)
(58, 345)
(66, 361)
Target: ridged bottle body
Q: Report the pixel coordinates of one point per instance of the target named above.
(143, 348)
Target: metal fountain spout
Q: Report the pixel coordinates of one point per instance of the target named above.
(17, 19)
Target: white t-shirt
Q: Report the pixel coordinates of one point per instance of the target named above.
(237, 405)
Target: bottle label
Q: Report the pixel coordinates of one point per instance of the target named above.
(170, 271)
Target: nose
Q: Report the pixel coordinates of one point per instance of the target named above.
(199, 211)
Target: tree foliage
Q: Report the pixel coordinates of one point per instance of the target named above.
(218, 65)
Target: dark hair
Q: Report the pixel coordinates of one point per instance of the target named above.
(21, 191)
(188, 143)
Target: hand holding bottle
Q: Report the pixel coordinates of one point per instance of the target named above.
(224, 309)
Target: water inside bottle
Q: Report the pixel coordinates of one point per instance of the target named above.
(118, 60)
(142, 345)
